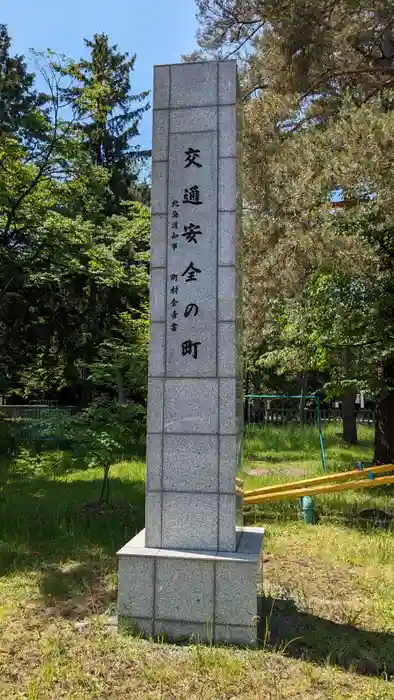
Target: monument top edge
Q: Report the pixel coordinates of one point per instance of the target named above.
(195, 63)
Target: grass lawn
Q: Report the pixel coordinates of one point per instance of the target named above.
(327, 613)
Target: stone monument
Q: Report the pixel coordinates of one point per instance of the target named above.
(193, 571)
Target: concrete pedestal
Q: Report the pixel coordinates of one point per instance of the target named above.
(202, 596)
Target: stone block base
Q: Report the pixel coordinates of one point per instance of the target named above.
(191, 595)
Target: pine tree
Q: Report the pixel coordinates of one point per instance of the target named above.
(105, 113)
(318, 82)
(20, 103)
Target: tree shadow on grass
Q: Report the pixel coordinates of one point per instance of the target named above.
(305, 636)
(54, 528)
(78, 590)
(367, 514)
(45, 522)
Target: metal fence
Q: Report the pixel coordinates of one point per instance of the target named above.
(258, 412)
(27, 424)
(33, 411)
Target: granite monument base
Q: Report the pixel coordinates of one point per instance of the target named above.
(191, 595)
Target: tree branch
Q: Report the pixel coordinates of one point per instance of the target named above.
(350, 71)
(322, 78)
(244, 41)
(254, 89)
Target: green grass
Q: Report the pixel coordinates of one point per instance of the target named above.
(280, 455)
(283, 446)
(327, 612)
(331, 584)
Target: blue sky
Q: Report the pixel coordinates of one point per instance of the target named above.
(158, 31)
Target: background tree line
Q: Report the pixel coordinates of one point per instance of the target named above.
(318, 87)
(317, 80)
(74, 253)
(74, 227)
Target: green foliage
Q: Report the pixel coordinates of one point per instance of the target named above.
(105, 114)
(318, 120)
(21, 106)
(318, 90)
(122, 358)
(74, 252)
(102, 434)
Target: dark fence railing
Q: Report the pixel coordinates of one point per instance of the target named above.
(259, 413)
(33, 411)
(28, 424)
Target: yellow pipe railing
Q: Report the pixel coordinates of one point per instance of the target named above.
(315, 481)
(316, 490)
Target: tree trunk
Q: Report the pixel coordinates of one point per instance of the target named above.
(384, 430)
(384, 423)
(104, 495)
(349, 433)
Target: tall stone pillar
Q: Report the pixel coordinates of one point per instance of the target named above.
(192, 571)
